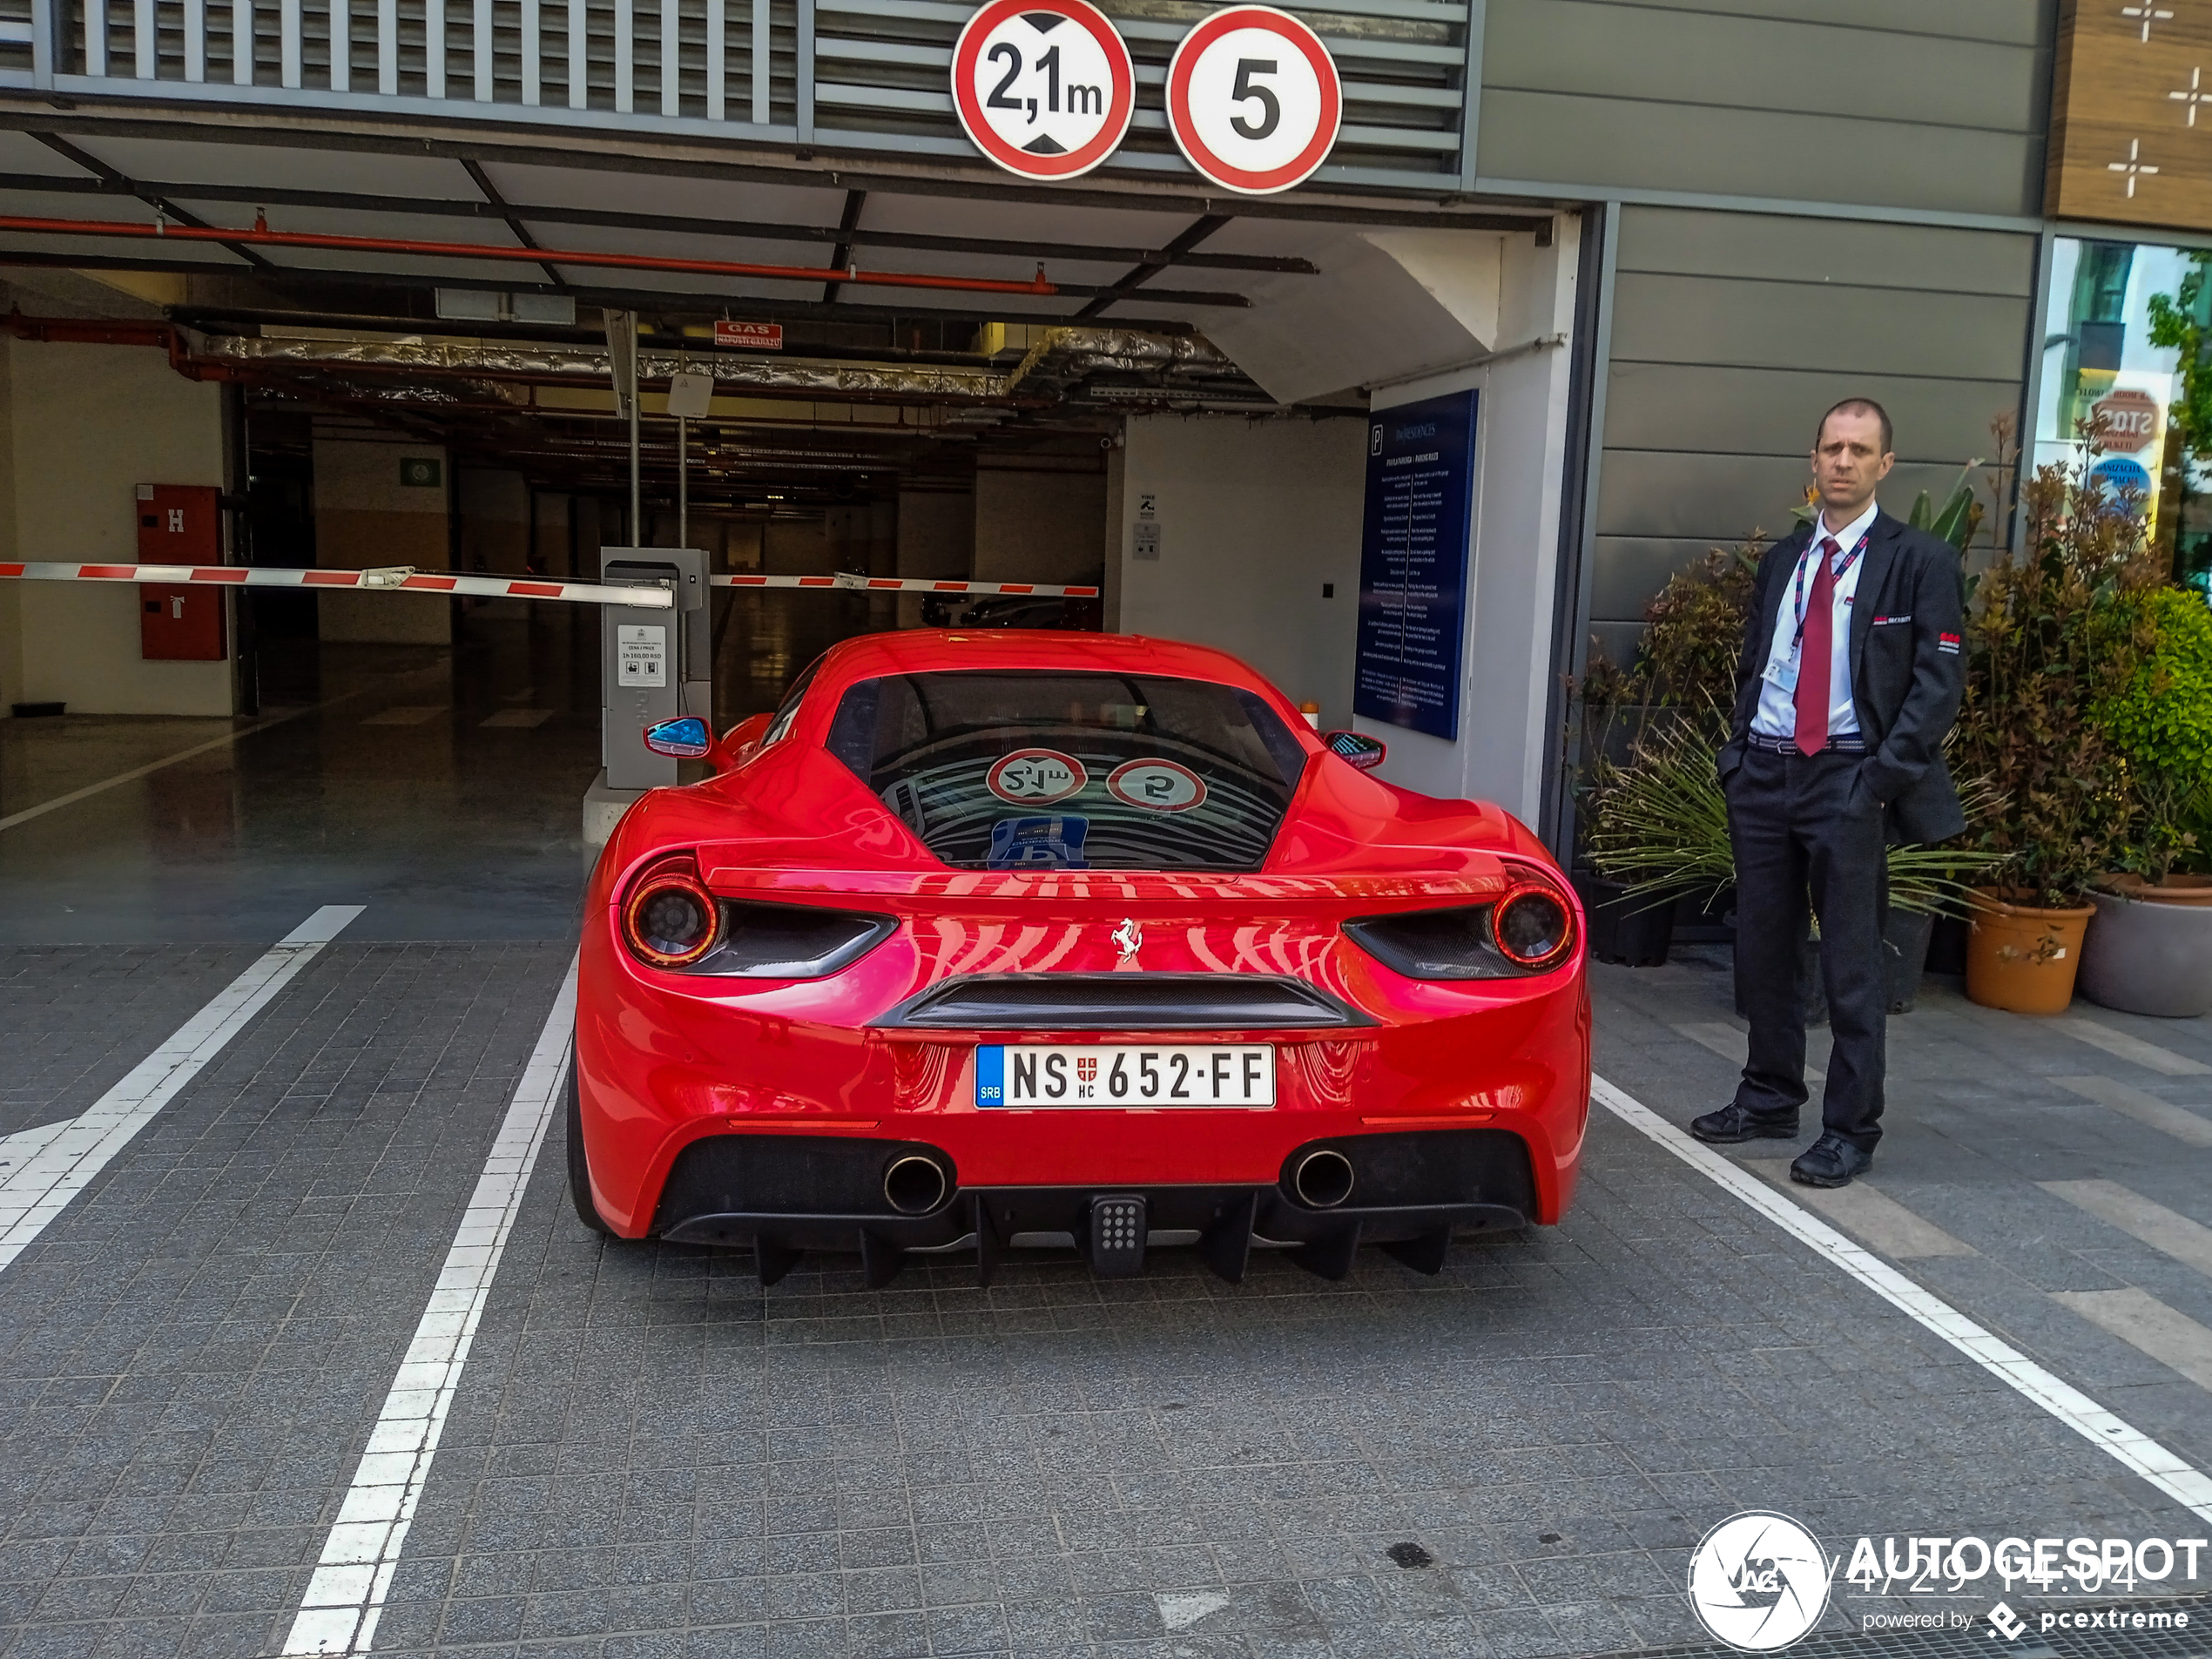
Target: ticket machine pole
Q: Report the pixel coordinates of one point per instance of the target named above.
(655, 664)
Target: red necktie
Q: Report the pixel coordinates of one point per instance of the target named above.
(1812, 660)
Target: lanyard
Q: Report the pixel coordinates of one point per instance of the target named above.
(1849, 559)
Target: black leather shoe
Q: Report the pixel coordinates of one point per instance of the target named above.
(1831, 1161)
(1734, 1123)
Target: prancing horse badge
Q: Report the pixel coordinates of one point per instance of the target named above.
(1130, 938)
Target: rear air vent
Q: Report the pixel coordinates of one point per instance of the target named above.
(1122, 1002)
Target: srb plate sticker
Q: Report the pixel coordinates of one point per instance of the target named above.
(1039, 844)
(1157, 785)
(641, 654)
(1036, 776)
(1164, 1076)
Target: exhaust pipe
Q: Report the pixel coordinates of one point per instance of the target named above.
(1322, 1179)
(914, 1185)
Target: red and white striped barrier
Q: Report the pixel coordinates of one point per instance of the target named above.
(397, 578)
(405, 578)
(845, 581)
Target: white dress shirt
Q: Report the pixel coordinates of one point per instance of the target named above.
(1777, 715)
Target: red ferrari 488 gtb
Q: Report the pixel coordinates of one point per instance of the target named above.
(992, 940)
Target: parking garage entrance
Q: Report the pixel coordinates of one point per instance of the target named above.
(1168, 406)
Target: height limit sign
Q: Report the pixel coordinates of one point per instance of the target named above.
(1044, 87)
(1253, 99)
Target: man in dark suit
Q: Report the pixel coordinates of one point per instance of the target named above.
(1851, 678)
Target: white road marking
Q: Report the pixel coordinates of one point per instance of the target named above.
(2146, 1055)
(405, 714)
(2146, 1325)
(2185, 1241)
(1734, 1045)
(2144, 1107)
(345, 1597)
(38, 1188)
(524, 718)
(1875, 1218)
(1180, 1609)
(15, 1148)
(2180, 1481)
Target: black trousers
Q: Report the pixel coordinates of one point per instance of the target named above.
(1803, 828)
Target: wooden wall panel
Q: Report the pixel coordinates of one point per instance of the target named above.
(2131, 114)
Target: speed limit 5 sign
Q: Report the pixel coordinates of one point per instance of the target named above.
(1253, 99)
(1044, 87)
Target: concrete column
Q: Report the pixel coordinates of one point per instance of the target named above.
(1521, 448)
(495, 521)
(936, 536)
(1257, 528)
(87, 425)
(10, 592)
(381, 501)
(1035, 526)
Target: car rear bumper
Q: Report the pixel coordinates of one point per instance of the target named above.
(663, 1067)
(781, 1195)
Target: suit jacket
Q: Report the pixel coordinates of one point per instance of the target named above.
(1907, 669)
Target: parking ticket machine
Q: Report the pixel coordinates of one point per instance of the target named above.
(654, 664)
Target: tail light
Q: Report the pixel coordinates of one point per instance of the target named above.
(1530, 930)
(671, 920)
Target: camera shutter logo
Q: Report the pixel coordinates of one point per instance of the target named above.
(1759, 1581)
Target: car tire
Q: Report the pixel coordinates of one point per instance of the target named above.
(579, 1169)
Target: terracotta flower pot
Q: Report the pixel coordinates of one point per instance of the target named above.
(2175, 889)
(2022, 958)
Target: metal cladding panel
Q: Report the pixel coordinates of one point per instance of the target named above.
(1934, 107)
(1718, 500)
(863, 75)
(1854, 250)
(1733, 333)
(1723, 409)
(1818, 325)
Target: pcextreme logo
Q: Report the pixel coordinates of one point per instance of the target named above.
(1759, 1581)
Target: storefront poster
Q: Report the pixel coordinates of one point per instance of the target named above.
(1413, 564)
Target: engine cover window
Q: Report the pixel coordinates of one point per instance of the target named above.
(994, 770)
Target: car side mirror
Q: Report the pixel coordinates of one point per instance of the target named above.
(1356, 749)
(687, 738)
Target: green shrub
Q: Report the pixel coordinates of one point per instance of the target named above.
(2162, 720)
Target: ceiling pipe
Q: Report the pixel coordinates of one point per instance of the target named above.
(262, 236)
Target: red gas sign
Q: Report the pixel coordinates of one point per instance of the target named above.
(753, 336)
(1045, 88)
(2130, 418)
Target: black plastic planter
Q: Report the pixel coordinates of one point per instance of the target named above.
(1632, 932)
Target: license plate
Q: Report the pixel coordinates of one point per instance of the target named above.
(1165, 1076)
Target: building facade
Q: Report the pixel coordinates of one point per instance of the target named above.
(1654, 241)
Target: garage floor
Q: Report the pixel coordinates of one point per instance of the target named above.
(646, 1455)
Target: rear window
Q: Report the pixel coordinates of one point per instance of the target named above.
(1073, 771)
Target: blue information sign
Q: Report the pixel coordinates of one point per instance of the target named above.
(1413, 563)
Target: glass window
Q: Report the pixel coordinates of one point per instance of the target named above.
(1050, 771)
(2099, 359)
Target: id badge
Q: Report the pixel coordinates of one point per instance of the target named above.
(1783, 674)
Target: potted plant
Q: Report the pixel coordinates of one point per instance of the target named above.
(1664, 830)
(1682, 676)
(2055, 632)
(2149, 950)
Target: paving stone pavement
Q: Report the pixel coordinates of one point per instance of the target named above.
(650, 1455)
(77, 1017)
